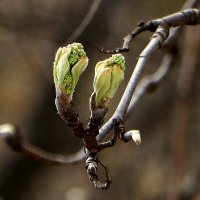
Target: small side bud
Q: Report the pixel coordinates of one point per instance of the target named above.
(134, 135)
(7, 129)
(69, 64)
(108, 76)
(11, 136)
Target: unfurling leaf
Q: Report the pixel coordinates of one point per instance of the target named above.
(108, 76)
(69, 64)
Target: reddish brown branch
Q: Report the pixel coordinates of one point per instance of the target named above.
(68, 114)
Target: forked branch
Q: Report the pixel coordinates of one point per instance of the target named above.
(157, 41)
(186, 17)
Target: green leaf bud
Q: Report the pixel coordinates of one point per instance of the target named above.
(69, 64)
(108, 76)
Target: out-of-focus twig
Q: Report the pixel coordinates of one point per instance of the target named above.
(150, 82)
(189, 188)
(85, 22)
(182, 111)
(11, 136)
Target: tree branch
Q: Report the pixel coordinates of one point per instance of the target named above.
(155, 79)
(137, 71)
(157, 39)
(11, 136)
(186, 17)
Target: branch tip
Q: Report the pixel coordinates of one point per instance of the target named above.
(11, 136)
(113, 51)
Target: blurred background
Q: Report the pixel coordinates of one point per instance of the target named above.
(167, 163)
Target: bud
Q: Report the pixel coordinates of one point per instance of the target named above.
(7, 129)
(11, 136)
(70, 62)
(135, 135)
(108, 76)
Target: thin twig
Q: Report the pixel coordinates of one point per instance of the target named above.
(187, 17)
(11, 136)
(85, 22)
(51, 158)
